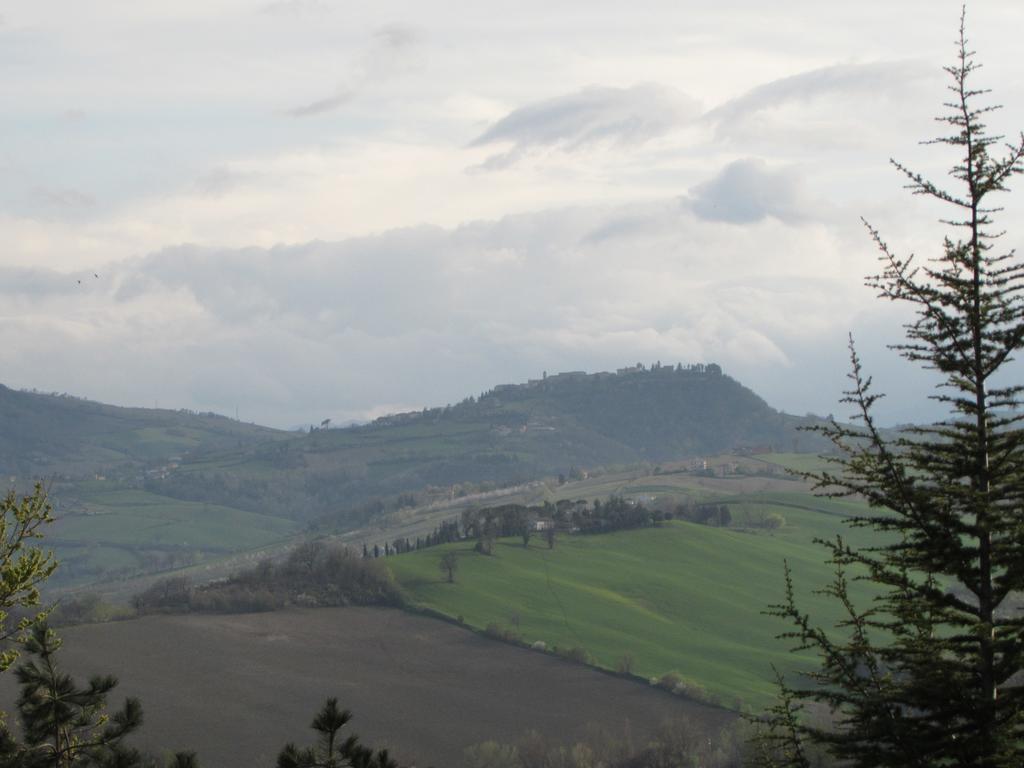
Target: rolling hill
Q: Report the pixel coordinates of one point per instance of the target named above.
(140, 490)
(46, 435)
(510, 434)
(680, 597)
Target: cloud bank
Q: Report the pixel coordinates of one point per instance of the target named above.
(617, 116)
(617, 222)
(339, 328)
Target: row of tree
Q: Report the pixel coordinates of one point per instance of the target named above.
(486, 525)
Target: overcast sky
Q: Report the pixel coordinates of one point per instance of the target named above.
(312, 208)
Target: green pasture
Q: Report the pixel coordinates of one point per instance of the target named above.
(681, 597)
(797, 462)
(141, 520)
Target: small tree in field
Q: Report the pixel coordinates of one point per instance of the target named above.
(924, 676)
(448, 565)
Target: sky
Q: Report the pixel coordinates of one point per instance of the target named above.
(307, 209)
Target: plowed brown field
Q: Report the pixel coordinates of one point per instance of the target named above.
(237, 688)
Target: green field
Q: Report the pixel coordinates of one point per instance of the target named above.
(119, 532)
(141, 519)
(682, 597)
(797, 462)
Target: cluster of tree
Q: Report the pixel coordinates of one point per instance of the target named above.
(445, 533)
(313, 574)
(491, 523)
(405, 500)
(705, 514)
(575, 473)
(487, 524)
(720, 515)
(615, 514)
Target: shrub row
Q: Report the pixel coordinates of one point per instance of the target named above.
(314, 574)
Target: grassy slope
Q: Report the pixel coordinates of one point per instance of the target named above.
(140, 519)
(115, 531)
(683, 597)
(797, 462)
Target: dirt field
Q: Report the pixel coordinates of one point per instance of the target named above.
(237, 688)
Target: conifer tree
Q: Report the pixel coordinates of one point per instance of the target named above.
(64, 724)
(923, 676)
(333, 751)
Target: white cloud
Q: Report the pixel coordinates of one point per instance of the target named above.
(390, 52)
(748, 190)
(839, 105)
(874, 79)
(320, 106)
(595, 115)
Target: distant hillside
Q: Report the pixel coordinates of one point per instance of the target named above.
(49, 435)
(512, 433)
(138, 490)
(659, 413)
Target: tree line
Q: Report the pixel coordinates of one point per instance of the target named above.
(313, 574)
(488, 524)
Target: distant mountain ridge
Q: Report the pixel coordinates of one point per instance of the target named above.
(511, 433)
(45, 435)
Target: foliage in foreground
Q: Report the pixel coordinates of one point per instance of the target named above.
(23, 566)
(332, 751)
(64, 724)
(924, 676)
